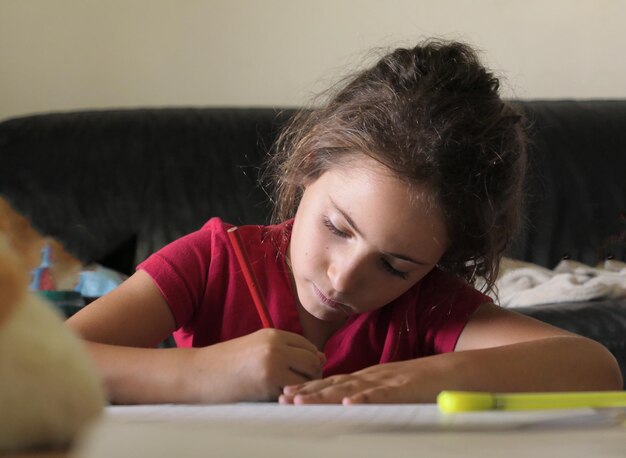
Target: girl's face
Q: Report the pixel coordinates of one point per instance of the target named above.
(359, 240)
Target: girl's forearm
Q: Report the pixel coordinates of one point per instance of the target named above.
(143, 375)
(563, 363)
(249, 368)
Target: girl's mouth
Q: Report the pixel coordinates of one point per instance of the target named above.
(330, 302)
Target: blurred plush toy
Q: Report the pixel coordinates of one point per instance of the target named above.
(49, 390)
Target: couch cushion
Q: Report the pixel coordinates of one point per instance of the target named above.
(577, 183)
(106, 182)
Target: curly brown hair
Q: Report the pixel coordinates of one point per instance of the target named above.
(433, 115)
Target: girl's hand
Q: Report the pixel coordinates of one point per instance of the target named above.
(255, 367)
(122, 328)
(401, 382)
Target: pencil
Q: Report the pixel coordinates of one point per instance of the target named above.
(467, 401)
(248, 275)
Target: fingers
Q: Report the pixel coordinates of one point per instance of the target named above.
(298, 341)
(331, 390)
(303, 357)
(377, 395)
(372, 385)
(284, 358)
(305, 365)
(343, 394)
(289, 339)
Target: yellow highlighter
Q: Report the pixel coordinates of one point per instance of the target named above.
(468, 401)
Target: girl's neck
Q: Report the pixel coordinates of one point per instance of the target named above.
(315, 330)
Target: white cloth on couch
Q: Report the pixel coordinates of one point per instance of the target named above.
(522, 284)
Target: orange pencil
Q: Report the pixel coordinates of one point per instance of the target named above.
(248, 275)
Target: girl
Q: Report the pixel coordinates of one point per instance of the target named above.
(392, 200)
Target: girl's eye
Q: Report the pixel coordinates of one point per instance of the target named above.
(392, 270)
(385, 264)
(333, 229)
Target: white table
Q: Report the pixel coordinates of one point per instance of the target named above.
(380, 431)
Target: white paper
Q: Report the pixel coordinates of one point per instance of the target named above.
(335, 419)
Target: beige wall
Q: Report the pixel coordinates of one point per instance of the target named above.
(75, 54)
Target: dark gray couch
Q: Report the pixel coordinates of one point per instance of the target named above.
(116, 185)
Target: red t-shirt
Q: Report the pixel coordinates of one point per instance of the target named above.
(200, 279)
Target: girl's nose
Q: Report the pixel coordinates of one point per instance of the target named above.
(344, 274)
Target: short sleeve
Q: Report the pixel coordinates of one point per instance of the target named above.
(447, 305)
(180, 270)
